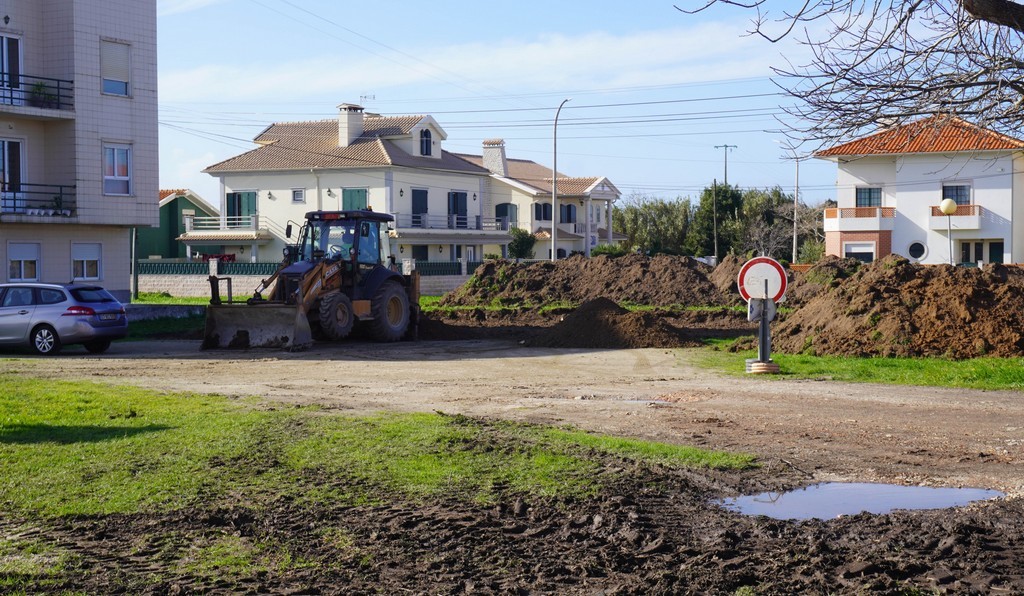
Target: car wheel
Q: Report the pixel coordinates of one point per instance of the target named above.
(97, 346)
(45, 341)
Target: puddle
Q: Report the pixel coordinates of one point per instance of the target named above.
(832, 499)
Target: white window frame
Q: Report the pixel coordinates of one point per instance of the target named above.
(861, 243)
(114, 177)
(958, 183)
(115, 67)
(85, 253)
(26, 248)
(923, 255)
(298, 195)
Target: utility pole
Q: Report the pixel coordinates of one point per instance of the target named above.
(796, 202)
(725, 149)
(714, 216)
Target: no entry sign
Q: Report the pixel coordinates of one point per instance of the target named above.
(753, 275)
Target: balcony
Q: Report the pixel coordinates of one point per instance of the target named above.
(27, 202)
(426, 221)
(966, 217)
(860, 219)
(27, 91)
(240, 229)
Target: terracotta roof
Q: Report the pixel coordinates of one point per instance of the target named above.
(164, 193)
(314, 144)
(539, 177)
(936, 134)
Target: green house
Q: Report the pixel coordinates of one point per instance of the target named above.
(175, 207)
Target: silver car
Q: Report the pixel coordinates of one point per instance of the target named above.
(46, 317)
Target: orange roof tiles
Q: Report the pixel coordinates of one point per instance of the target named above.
(935, 134)
(164, 193)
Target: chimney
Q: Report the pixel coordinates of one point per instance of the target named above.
(350, 123)
(494, 156)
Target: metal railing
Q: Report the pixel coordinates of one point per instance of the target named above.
(45, 200)
(37, 92)
(232, 222)
(450, 222)
(247, 268)
(179, 268)
(439, 267)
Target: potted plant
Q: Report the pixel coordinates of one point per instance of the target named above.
(40, 96)
(58, 206)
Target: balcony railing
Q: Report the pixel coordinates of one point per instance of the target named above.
(230, 222)
(46, 200)
(966, 217)
(961, 210)
(37, 92)
(860, 219)
(450, 222)
(845, 212)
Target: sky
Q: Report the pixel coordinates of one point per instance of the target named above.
(661, 102)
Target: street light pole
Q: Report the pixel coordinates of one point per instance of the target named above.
(796, 201)
(948, 207)
(554, 184)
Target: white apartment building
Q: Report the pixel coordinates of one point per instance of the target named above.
(78, 138)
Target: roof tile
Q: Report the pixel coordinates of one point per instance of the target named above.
(935, 134)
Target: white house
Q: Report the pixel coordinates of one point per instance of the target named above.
(357, 161)
(520, 190)
(78, 151)
(890, 185)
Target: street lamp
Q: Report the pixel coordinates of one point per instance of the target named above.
(796, 195)
(948, 206)
(554, 185)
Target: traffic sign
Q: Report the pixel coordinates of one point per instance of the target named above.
(753, 275)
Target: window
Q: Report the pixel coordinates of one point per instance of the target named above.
(542, 211)
(425, 142)
(85, 261)
(117, 170)
(567, 213)
(115, 67)
(48, 296)
(960, 193)
(458, 209)
(23, 261)
(507, 212)
(869, 197)
(420, 207)
(353, 199)
(240, 208)
(11, 198)
(298, 195)
(18, 297)
(916, 250)
(862, 251)
(10, 70)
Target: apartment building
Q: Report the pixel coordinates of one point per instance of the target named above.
(78, 138)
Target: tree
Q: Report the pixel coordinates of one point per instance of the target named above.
(879, 63)
(521, 245)
(767, 223)
(653, 225)
(721, 203)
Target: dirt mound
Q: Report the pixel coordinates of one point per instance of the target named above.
(600, 323)
(661, 280)
(826, 273)
(896, 308)
(724, 277)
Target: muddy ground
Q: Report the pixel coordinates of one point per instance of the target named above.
(600, 368)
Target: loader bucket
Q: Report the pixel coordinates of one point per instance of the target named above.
(243, 326)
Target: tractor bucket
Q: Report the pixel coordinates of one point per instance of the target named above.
(243, 326)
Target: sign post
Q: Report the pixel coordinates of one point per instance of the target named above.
(762, 283)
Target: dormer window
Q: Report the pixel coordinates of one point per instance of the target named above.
(425, 142)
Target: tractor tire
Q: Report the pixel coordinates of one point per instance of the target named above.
(336, 315)
(390, 310)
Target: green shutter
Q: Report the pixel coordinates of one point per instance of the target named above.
(353, 198)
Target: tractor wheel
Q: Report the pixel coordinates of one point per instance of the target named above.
(390, 309)
(336, 315)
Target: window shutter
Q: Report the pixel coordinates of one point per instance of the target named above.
(23, 251)
(85, 251)
(114, 61)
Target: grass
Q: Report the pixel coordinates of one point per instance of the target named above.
(977, 373)
(165, 298)
(86, 448)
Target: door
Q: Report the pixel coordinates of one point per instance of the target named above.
(10, 71)
(241, 207)
(995, 252)
(419, 208)
(16, 309)
(458, 210)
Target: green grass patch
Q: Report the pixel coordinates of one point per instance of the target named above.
(165, 298)
(977, 373)
(167, 327)
(86, 448)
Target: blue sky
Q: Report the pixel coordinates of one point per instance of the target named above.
(653, 90)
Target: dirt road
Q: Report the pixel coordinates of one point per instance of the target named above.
(828, 430)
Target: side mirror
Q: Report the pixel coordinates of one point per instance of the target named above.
(288, 231)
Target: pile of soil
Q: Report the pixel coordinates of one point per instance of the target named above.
(724, 277)
(661, 280)
(600, 323)
(893, 307)
(825, 274)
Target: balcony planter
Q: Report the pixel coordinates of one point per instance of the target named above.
(40, 96)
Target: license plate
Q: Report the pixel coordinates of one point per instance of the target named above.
(108, 317)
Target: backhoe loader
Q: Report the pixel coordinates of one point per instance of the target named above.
(339, 274)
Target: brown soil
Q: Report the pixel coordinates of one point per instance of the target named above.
(650, 530)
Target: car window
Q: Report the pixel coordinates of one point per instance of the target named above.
(18, 297)
(92, 295)
(48, 296)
